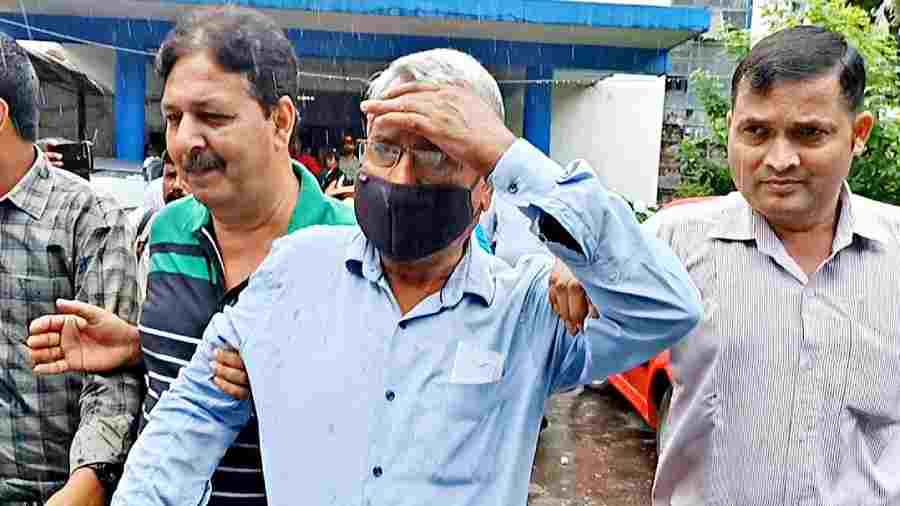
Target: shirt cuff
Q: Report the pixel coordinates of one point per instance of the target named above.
(524, 174)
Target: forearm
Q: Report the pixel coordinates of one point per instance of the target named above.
(82, 489)
(189, 430)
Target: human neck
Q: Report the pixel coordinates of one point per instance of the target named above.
(245, 237)
(811, 243)
(17, 159)
(413, 281)
(268, 212)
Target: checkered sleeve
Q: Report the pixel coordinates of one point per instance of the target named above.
(105, 276)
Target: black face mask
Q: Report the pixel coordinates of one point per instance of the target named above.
(411, 222)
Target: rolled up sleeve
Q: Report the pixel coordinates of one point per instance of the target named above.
(104, 275)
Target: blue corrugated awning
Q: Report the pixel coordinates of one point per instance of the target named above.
(537, 12)
(558, 33)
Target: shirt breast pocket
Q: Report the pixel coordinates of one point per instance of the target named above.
(472, 432)
(470, 402)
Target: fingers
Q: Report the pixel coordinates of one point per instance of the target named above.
(44, 340)
(46, 323)
(230, 358)
(234, 375)
(413, 122)
(578, 305)
(50, 323)
(562, 301)
(58, 367)
(403, 89)
(75, 307)
(553, 302)
(238, 392)
(230, 374)
(45, 356)
(411, 98)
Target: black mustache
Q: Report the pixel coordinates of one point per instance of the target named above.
(203, 160)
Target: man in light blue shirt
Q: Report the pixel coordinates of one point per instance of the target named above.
(394, 364)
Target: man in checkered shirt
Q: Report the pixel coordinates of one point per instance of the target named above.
(63, 438)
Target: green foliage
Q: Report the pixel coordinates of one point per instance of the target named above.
(875, 174)
(704, 169)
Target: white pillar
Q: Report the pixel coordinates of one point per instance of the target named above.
(759, 26)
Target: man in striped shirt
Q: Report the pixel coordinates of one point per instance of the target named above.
(229, 75)
(788, 392)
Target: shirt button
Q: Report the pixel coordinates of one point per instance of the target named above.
(389, 395)
(513, 188)
(614, 276)
(377, 471)
(402, 325)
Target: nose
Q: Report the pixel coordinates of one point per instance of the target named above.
(186, 136)
(178, 185)
(782, 155)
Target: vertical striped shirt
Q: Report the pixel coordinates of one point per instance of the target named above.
(185, 289)
(788, 392)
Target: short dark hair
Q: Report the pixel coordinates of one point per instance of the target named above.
(801, 53)
(240, 40)
(19, 87)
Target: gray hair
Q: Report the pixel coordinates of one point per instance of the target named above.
(441, 67)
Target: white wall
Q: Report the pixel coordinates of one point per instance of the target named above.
(616, 125)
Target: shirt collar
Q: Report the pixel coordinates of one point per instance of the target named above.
(310, 213)
(738, 222)
(473, 274)
(32, 192)
(862, 219)
(741, 223)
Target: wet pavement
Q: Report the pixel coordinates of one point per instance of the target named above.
(597, 451)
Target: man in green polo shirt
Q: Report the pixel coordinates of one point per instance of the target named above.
(229, 114)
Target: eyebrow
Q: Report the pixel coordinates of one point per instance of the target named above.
(753, 120)
(209, 103)
(756, 120)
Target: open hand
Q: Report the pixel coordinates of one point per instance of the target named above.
(82, 338)
(453, 118)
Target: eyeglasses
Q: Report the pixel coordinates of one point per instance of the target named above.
(387, 156)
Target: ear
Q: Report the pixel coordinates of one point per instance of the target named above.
(5, 120)
(284, 115)
(483, 195)
(862, 128)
